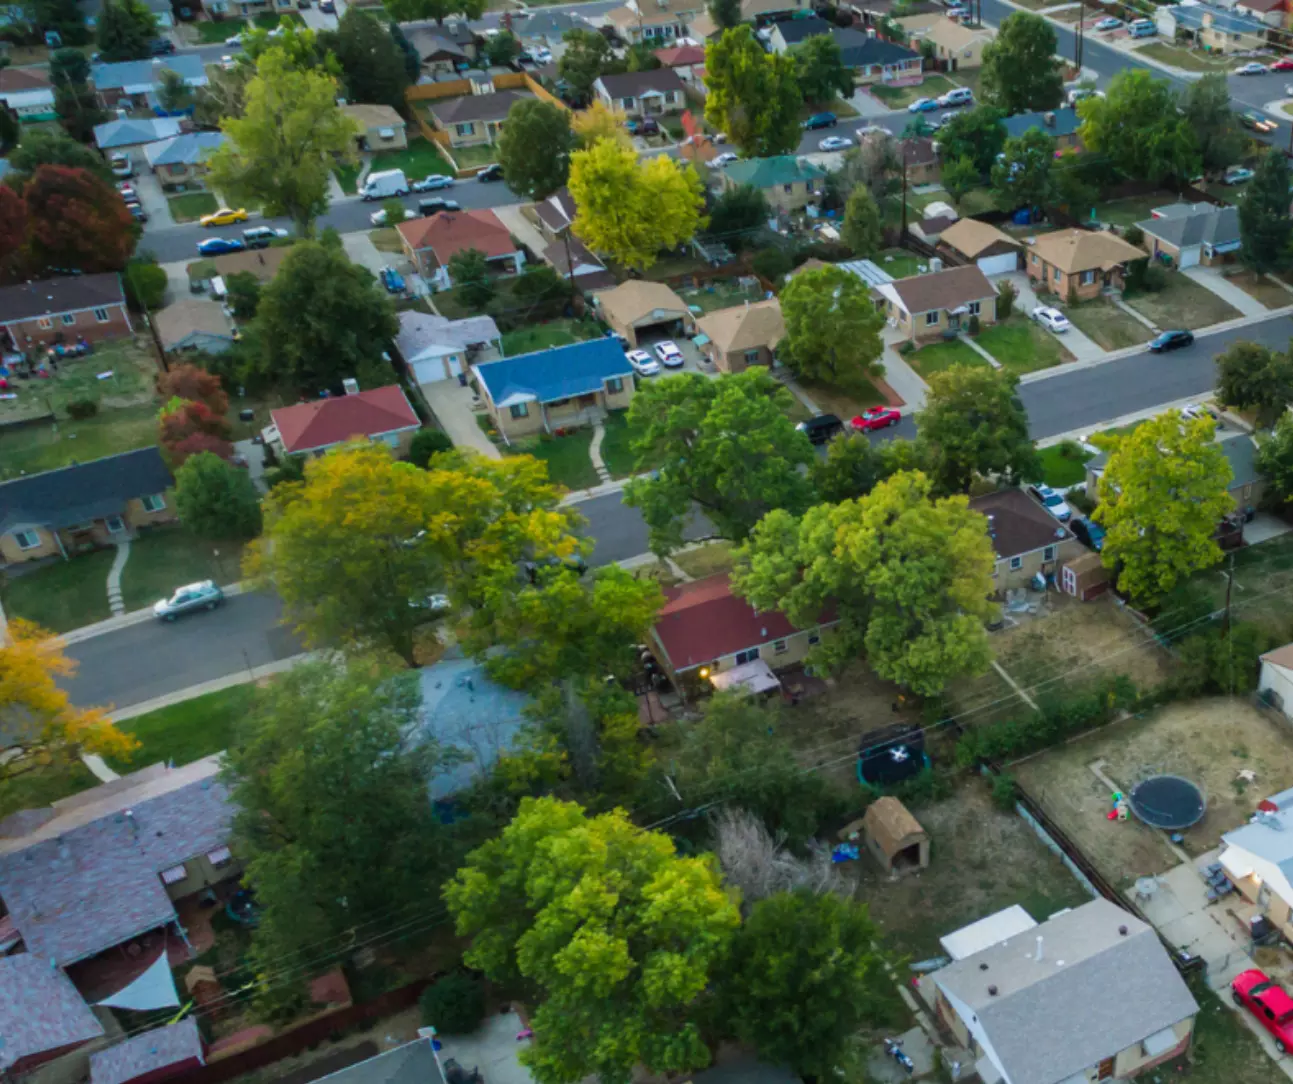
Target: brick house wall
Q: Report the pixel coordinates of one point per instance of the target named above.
(737, 361)
(1082, 285)
(83, 322)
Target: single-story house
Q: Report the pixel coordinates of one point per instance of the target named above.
(656, 22)
(686, 59)
(382, 415)
(1004, 1002)
(150, 1057)
(647, 93)
(1274, 13)
(1246, 487)
(1085, 577)
(1027, 539)
(432, 242)
(261, 262)
(193, 324)
(475, 118)
(561, 388)
(925, 306)
(783, 35)
(117, 134)
(27, 92)
(1079, 264)
(41, 1015)
(743, 335)
(1060, 124)
(874, 60)
(915, 26)
(894, 837)
(79, 508)
(920, 156)
(994, 252)
(1190, 234)
(434, 348)
(104, 867)
(787, 181)
(439, 53)
(65, 308)
(957, 45)
(1212, 28)
(556, 214)
(1276, 681)
(134, 83)
(873, 12)
(183, 159)
(639, 308)
(1258, 857)
(381, 128)
(573, 258)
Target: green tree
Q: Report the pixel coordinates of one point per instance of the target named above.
(1254, 377)
(587, 56)
(959, 176)
(832, 326)
(1022, 177)
(69, 66)
(619, 933)
(534, 148)
(909, 578)
(641, 57)
(502, 49)
(281, 150)
(727, 446)
(469, 272)
(372, 62)
(321, 319)
(78, 111)
(1264, 224)
(408, 11)
(215, 499)
(1162, 494)
(973, 425)
(46, 147)
(145, 284)
(1139, 129)
(123, 30)
(753, 96)
(737, 213)
(453, 1005)
(1206, 108)
(863, 231)
(1077, 187)
(725, 13)
(303, 48)
(1020, 72)
(1275, 459)
(412, 59)
(244, 294)
(802, 980)
(853, 466)
(975, 134)
(173, 92)
(427, 443)
(820, 69)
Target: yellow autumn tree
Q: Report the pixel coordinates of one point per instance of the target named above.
(599, 121)
(39, 726)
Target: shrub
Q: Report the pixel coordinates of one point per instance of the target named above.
(82, 408)
(453, 1006)
(1133, 235)
(1006, 294)
(974, 323)
(425, 444)
(1070, 449)
(1004, 791)
(1077, 498)
(771, 264)
(906, 347)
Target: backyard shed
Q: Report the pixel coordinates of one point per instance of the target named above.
(894, 836)
(1084, 577)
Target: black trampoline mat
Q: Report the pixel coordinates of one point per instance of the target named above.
(1167, 801)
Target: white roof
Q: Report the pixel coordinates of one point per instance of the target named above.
(749, 677)
(988, 931)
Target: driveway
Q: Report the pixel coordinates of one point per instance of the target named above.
(152, 199)
(452, 405)
(1081, 346)
(693, 360)
(1218, 284)
(362, 251)
(522, 229)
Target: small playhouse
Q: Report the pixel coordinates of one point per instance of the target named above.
(894, 837)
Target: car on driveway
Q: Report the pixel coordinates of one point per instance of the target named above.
(1054, 502)
(1251, 68)
(643, 127)
(820, 428)
(1254, 120)
(876, 417)
(392, 280)
(1237, 175)
(923, 105)
(235, 39)
(431, 183)
(218, 246)
(1051, 319)
(1088, 532)
(1269, 1004)
(669, 354)
(188, 599)
(643, 363)
(724, 159)
(121, 165)
(1108, 24)
(836, 143)
(1170, 340)
(224, 217)
(327, 7)
(821, 120)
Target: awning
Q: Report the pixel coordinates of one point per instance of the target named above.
(154, 989)
(748, 678)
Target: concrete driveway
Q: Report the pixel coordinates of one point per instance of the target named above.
(452, 405)
(153, 200)
(693, 360)
(1215, 282)
(1081, 346)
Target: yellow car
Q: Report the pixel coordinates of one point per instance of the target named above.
(223, 217)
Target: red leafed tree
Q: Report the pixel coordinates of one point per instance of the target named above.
(189, 428)
(76, 221)
(13, 233)
(197, 442)
(195, 384)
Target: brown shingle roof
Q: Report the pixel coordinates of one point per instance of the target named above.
(180, 319)
(52, 296)
(373, 116)
(473, 107)
(1281, 656)
(745, 327)
(1017, 523)
(631, 301)
(1084, 250)
(16, 80)
(971, 238)
(891, 825)
(942, 289)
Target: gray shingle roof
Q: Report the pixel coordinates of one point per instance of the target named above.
(1196, 224)
(419, 330)
(146, 1053)
(187, 149)
(67, 293)
(412, 1063)
(126, 133)
(472, 107)
(636, 84)
(60, 498)
(138, 76)
(793, 31)
(857, 50)
(1241, 454)
(40, 1009)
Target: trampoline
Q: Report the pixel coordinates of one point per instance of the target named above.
(1167, 801)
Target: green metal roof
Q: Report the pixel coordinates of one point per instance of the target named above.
(766, 172)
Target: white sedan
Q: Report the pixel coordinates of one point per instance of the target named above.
(1053, 501)
(1237, 175)
(1051, 319)
(1108, 24)
(669, 354)
(643, 363)
(836, 143)
(724, 159)
(378, 218)
(1252, 68)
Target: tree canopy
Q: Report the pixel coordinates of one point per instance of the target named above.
(753, 95)
(1275, 458)
(1138, 128)
(1264, 224)
(975, 134)
(409, 11)
(820, 69)
(587, 56)
(45, 147)
(832, 327)
(123, 30)
(863, 230)
(1020, 72)
(74, 219)
(1206, 107)
(215, 499)
(1254, 377)
(534, 148)
(1022, 176)
(372, 62)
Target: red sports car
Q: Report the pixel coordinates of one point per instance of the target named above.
(1269, 1004)
(876, 418)
(1284, 64)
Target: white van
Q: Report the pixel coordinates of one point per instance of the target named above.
(1142, 28)
(385, 184)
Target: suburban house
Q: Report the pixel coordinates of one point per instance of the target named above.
(1212, 28)
(656, 22)
(919, 156)
(55, 310)
(915, 26)
(1060, 124)
(118, 134)
(182, 160)
(1189, 234)
(930, 230)
(1275, 685)
(1079, 264)
(1274, 13)
(1026, 538)
(83, 507)
(193, 324)
(789, 183)
(134, 83)
(434, 348)
(261, 262)
(637, 307)
(783, 35)
(649, 93)
(454, 32)
(759, 12)
(956, 45)
(1007, 987)
(551, 390)
(874, 60)
(474, 119)
(432, 242)
(743, 335)
(26, 91)
(380, 127)
(42, 1016)
(687, 60)
(382, 415)
(926, 306)
(440, 55)
(104, 867)
(571, 258)
(151, 1056)
(1258, 857)
(556, 214)
(1247, 485)
(994, 252)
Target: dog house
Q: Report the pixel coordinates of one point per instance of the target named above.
(894, 836)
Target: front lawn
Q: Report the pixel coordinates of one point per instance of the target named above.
(705, 560)
(526, 340)
(616, 453)
(1063, 464)
(187, 731)
(1185, 59)
(841, 108)
(1183, 303)
(843, 404)
(348, 177)
(1262, 290)
(63, 595)
(483, 154)
(1021, 346)
(213, 33)
(386, 239)
(169, 557)
(569, 463)
(901, 97)
(936, 357)
(1107, 325)
(417, 160)
(271, 20)
(190, 206)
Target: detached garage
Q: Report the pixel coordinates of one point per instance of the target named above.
(996, 253)
(645, 311)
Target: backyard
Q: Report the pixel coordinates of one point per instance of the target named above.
(901, 264)
(1021, 346)
(938, 356)
(901, 97)
(419, 159)
(1126, 212)
(1107, 325)
(719, 295)
(190, 206)
(526, 340)
(1182, 303)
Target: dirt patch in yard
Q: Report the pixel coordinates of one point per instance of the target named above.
(1262, 290)
(1106, 324)
(1183, 303)
(1207, 741)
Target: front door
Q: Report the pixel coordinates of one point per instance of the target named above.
(953, 321)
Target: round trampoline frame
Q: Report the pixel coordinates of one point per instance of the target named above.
(1168, 821)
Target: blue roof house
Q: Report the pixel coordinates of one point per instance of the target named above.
(1060, 124)
(551, 391)
(136, 82)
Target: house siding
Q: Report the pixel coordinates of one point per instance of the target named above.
(28, 333)
(202, 874)
(15, 555)
(797, 648)
(1070, 284)
(865, 74)
(736, 361)
(1003, 576)
(915, 327)
(570, 413)
(1279, 680)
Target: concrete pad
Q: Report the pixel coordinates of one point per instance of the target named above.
(883, 1069)
(1264, 527)
(361, 250)
(1216, 283)
(452, 405)
(492, 1048)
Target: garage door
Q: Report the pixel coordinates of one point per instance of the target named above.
(999, 265)
(1190, 256)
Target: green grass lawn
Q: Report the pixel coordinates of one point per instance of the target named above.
(45, 448)
(1106, 324)
(386, 239)
(901, 97)
(1185, 59)
(976, 201)
(62, 595)
(569, 463)
(186, 731)
(616, 453)
(1126, 212)
(1022, 346)
(348, 177)
(900, 263)
(544, 336)
(191, 206)
(484, 154)
(169, 557)
(417, 160)
(936, 357)
(1063, 464)
(270, 20)
(1224, 1051)
(213, 33)
(41, 786)
(1183, 303)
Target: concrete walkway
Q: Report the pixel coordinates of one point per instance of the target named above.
(595, 452)
(1226, 290)
(795, 388)
(1137, 315)
(900, 376)
(114, 578)
(361, 250)
(980, 351)
(521, 228)
(98, 768)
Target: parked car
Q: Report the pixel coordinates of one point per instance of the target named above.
(923, 105)
(490, 173)
(1237, 175)
(1254, 120)
(261, 236)
(327, 7)
(161, 47)
(121, 165)
(669, 354)
(228, 63)
(1170, 340)
(1051, 319)
(1269, 1003)
(868, 130)
(541, 55)
(821, 427)
(642, 126)
(392, 280)
(432, 183)
(821, 120)
(194, 596)
(875, 417)
(1142, 28)
(1054, 502)
(643, 363)
(1088, 532)
(429, 207)
(1109, 23)
(1251, 68)
(378, 218)
(218, 246)
(1077, 94)
(724, 159)
(139, 213)
(955, 97)
(1284, 64)
(836, 143)
(1194, 411)
(235, 39)
(224, 217)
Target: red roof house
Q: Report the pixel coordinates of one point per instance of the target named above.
(677, 56)
(432, 242)
(382, 414)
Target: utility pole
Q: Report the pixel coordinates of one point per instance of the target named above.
(1079, 37)
(904, 191)
(1230, 581)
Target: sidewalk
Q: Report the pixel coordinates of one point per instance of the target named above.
(125, 620)
(899, 375)
(242, 677)
(1082, 347)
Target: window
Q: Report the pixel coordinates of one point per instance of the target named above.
(174, 875)
(814, 639)
(68, 318)
(751, 357)
(787, 188)
(45, 323)
(1033, 256)
(1088, 277)
(931, 318)
(520, 410)
(1057, 274)
(1048, 554)
(464, 129)
(386, 133)
(101, 315)
(154, 502)
(27, 540)
(615, 385)
(219, 857)
(973, 306)
(114, 524)
(742, 657)
(778, 647)
(1016, 563)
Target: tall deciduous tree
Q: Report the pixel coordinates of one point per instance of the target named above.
(820, 69)
(959, 176)
(281, 150)
(69, 66)
(1022, 177)
(195, 384)
(619, 933)
(124, 29)
(186, 428)
(909, 577)
(1264, 224)
(587, 56)
(173, 91)
(1254, 377)
(1206, 106)
(753, 96)
(737, 214)
(853, 466)
(1275, 458)
(629, 209)
(45, 147)
(1138, 128)
(725, 13)
(412, 58)
(1020, 71)
(726, 445)
(976, 134)
(534, 148)
(832, 327)
(372, 62)
(863, 231)
(74, 219)
(599, 122)
(78, 111)
(13, 234)
(1162, 494)
(215, 499)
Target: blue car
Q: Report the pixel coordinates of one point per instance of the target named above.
(821, 120)
(218, 246)
(1170, 340)
(392, 280)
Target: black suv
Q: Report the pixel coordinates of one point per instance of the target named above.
(430, 207)
(821, 428)
(490, 173)
(161, 47)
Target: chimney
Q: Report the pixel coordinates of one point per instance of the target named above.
(1122, 930)
(1039, 947)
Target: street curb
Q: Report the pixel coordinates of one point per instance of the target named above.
(1119, 422)
(242, 677)
(135, 617)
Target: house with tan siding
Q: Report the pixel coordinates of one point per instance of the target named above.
(926, 306)
(958, 46)
(1026, 538)
(743, 335)
(1077, 265)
